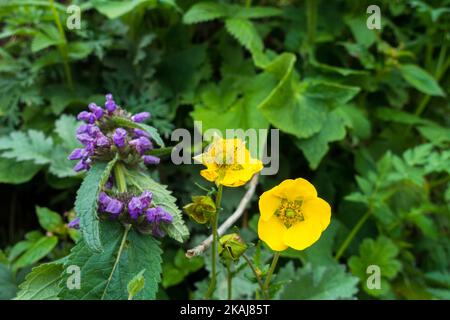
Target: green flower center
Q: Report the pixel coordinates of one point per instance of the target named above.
(290, 212)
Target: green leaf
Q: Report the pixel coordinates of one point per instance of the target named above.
(255, 12)
(163, 198)
(8, 285)
(41, 283)
(36, 252)
(245, 32)
(316, 147)
(127, 123)
(49, 220)
(174, 273)
(421, 80)
(86, 203)
(205, 11)
(136, 284)
(363, 35)
(49, 36)
(394, 115)
(320, 283)
(300, 108)
(381, 252)
(116, 9)
(32, 145)
(66, 127)
(14, 172)
(106, 274)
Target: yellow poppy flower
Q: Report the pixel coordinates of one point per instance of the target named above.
(228, 162)
(292, 215)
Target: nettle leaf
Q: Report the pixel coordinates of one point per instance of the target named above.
(86, 203)
(300, 108)
(381, 252)
(421, 80)
(320, 283)
(32, 145)
(205, 11)
(127, 123)
(116, 9)
(42, 283)
(245, 32)
(14, 172)
(163, 198)
(105, 275)
(316, 147)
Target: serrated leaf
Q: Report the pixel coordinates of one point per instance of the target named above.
(163, 198)
(66, 127)
(86, 203)
(32, 145)
(46, 38)
(116, 9)
(245, 32)
(136, 284)
(205, 11)
(36, 251)
(48, 219)
(14, 172)
(41, 283)
(381, 252)
(421, 80)
(256, 12)
(122, 122)
(320, 283)
(105, 275)
(316, 147)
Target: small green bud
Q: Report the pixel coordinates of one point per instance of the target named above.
(231, 246)
(200, 209)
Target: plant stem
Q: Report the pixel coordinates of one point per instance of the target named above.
(352, 234)
(120, 177)
(269, 274)
(63, 46)
(311, 9)
(258, 278)
(215, 222)
(229, 280)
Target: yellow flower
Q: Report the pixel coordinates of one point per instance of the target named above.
(228, 162)
(292, 215)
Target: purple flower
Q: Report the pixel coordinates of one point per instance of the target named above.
(141, 144)
(119, 137)
(96, 110)
(83, 128)
(114, 207)
(140, 117)
(110, 183)
(81, 165)
(87, 117)
(110, 104)
(85, 138)
(141, 133)
(77, 154)
(103, 200)
(74, 224)
(151, 160)
(146, 198)
(135, 207)
(156, 216)
(101, 140)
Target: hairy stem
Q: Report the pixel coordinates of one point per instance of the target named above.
(258, 278)
(229, 280)
(269, 274)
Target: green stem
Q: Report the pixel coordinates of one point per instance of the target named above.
(116, 262)
(311, 15)
(269, 274)
(258, 278)
(229, 280)
(248, 3)
(352, 234)
(119, 176)
(63, 46)
(215, 222)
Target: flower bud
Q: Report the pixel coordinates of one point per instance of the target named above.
(201, 209)
(231, 246)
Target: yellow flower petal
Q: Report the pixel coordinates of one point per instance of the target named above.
(272, 233)
(302, 235)
(298, 189)
(268, 204)
(317, 211)
(209, 174)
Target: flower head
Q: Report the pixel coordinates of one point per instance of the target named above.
(228, 162)
(119, 137)
(156, 216)
(292, 215)
(110, 104)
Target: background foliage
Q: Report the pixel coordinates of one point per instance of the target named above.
(364, 114)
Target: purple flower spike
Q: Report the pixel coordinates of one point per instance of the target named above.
(102, 140)
(141, 144)
(74, 224)
(76, 154)
(110, 104)
(151, 160)
(87, 117)
(80, 166)
(119, 137)
(85, 138)
(140, 117)
(156, 216)
(114, 207)
(96, 110)
(141, 133)
(83, 128)
(135, 207)
(146, 198)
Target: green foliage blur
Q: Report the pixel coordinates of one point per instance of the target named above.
(363, 114)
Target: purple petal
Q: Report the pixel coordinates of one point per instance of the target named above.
(119, 137)
(151, 160)
(87, 117)
(141, 133)
(85, 138)
(141, 144)
(76, 154)
(80, 166)
(114, 206)
(135, 207)
(74, 224)
(146, 198)
(96, 110)
(140, 117)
